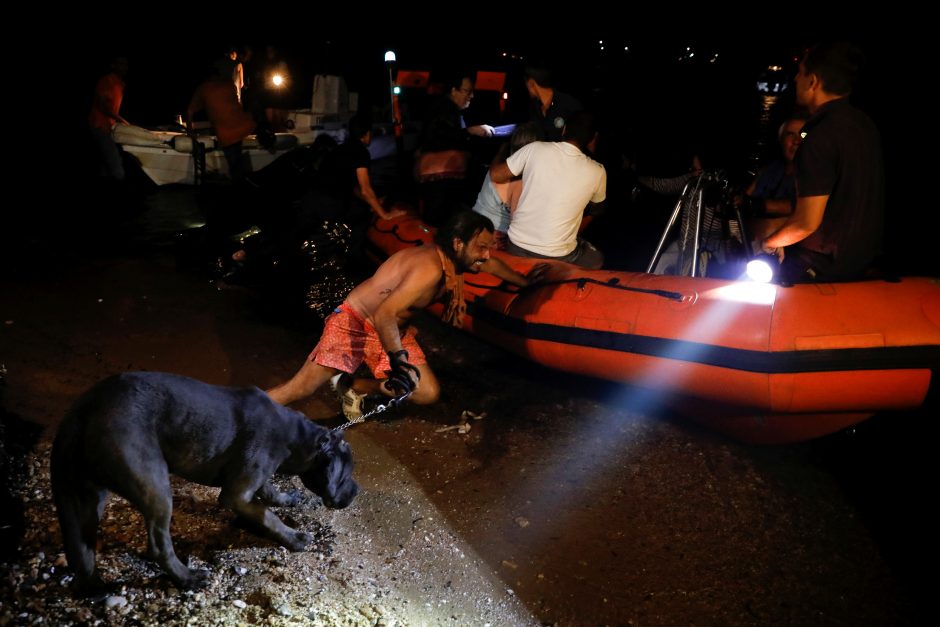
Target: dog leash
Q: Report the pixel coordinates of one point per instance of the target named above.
(378, 409)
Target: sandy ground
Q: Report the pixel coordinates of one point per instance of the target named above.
(562, 505)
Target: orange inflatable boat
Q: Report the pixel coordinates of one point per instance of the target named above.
(760, 362)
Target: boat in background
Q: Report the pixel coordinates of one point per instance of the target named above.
(167, 157)
(763, 363)
(170, 156)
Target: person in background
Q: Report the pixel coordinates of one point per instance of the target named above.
(836, 228)
(238, 73)
(559, 181)
(672, 185)
(104, 114)
(231, 124)
(446, 128)
(551, 108)
(777, 180)
(441, 165)
(343, 190)
(497, 201)
(229, 65)
(771, 196)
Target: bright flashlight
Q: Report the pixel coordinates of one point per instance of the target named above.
(760, 270)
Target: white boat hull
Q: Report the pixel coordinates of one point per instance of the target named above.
(166, 166)
(166, 157)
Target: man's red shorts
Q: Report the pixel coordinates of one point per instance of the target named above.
(348, 340)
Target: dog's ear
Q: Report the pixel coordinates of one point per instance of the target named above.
(327, 445)
(332, 443)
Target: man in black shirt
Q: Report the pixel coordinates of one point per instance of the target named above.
(345, 189)
(343, 192)
(550, 107)
(836, 228)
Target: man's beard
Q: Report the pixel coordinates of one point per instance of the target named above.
(468, 265)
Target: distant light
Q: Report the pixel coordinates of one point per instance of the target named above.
(774, 68)
(504, 54)
(601, 42)
(802, 134)
(626, 48)
(390, 56)
(396, 90)
(691, 54)
(277, 80)
(505, 95)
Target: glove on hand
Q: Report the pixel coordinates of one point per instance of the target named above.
(403, 377)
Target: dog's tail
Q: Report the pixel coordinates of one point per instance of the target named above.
(79, 502)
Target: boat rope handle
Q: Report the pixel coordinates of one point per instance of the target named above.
(613, 283)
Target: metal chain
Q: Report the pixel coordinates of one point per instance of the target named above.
(378, 409)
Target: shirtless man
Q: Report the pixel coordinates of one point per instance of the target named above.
(371, 325)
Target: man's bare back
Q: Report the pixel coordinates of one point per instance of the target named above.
(414, 275)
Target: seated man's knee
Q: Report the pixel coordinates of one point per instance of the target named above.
(593, 260)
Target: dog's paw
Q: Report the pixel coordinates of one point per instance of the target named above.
(94, 588)
(197, 579)
(289, 499)
(299, 541)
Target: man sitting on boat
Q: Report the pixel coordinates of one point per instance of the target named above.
(498, 201)
(371, 325)
(835, 231)
(777, 180)
(558, 181)
(771, 196)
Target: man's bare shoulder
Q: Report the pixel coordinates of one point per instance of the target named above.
(420, 260)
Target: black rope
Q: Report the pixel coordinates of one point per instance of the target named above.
(613, 283)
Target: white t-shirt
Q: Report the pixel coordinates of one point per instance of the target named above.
(558, 182)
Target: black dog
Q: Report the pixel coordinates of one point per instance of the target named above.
(129, 432)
